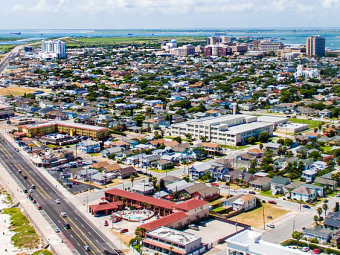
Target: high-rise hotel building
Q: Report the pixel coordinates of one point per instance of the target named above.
(315, 46)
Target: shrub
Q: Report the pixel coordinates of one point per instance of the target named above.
(314, 240)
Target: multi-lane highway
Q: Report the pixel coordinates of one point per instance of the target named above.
(82, 232)
(8, 58)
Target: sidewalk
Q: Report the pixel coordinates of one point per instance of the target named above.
(77, 205)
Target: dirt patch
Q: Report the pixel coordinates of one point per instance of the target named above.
(125, 238)
(254, 217)
(17, 91)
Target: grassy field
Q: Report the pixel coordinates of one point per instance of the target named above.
(234, 147)
(16, 91)
(98, 41)
(254, 218)
(25, 235)
(6, 48)
(311, 123)
(268, 193)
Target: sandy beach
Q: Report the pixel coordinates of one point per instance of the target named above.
(5, 233)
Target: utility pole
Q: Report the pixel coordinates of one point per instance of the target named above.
(264, 221)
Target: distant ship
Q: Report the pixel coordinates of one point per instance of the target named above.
(18, 33)
(130, 34)
(221, 33)
(41, 34)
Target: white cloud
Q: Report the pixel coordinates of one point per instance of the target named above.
(43, 6)
(330, 3)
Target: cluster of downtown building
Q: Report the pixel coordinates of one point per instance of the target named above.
(219, 46)
(53, 49)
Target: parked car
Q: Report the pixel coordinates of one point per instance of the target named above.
(215, 184)
(16, 149)
(57, 230)
(326, 201)
(306, 206)
(39, 207)
(252, 192)
(316, 251)
(106, 223)
(124, 230)
(305, 249)
(25, 190)
(57, 201)
(272, 202)
(87, 248)
(270, 225)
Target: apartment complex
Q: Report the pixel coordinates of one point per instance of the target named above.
(69, 128)
(165, 240)
(53, 49)
(227, 129)
(183, 51)
(315, 46)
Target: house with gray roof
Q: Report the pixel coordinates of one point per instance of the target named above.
(277, 184)
(303, 193)
(332, 221)
(178, 186)
(261, 183)
(320, 232)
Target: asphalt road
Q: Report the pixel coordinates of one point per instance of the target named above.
(82, 232)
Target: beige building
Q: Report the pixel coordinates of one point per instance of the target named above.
(315, 46)
(227, 129)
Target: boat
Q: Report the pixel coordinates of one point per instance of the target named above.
(337, 37)
(41, 34)
(16, 33)
(130, 34)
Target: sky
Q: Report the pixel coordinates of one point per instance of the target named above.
(167, 14)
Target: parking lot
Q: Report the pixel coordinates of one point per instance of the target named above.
(213, 231)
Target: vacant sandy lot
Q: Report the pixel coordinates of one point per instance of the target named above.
(254, 218)
(17, 91)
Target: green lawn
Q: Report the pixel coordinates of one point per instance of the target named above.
(311, 123)
(234, 147)
(268, 193)
(161, 171)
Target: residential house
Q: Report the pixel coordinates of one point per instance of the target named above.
(178, 186)
(309, 175)
(332, 221)
(303, 193)
(202, 191)
(274, 147)
(85, 175)
(256, 152)
(117, 151)
(89, 146)
(151, 123)
(212, 148)
(246, 202)
(163, 164)
(261, 183)
(277, 185)
(143, 188)
(126, 172)
(319, 232)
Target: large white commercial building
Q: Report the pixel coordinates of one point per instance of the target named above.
(53, 49)
(227, 129)
(249, 242)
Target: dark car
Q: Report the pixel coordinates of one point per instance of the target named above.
(67, 226)
(25, 191)
(306, 206)
(325, 201)
(39, 207)
(272, 202)
(124, 230)
(25, 176)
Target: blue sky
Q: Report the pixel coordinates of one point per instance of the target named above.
(145, 14)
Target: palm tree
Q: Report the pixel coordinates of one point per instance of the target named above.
(132, 178)
(325, 208)
(319, 211)
(154, 181)
(297, 235)
(261, 146)
(171, 249)
(316, 219)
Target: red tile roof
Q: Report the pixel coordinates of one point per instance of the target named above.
(164, 221)
(141, 198)
(104, 206)
(190, 204)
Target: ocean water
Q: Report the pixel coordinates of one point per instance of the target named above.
(288, 36)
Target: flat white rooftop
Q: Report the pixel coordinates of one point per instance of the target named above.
(250, 241)
(173, 235)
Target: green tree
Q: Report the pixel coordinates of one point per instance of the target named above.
(316, 218)
(251, 140)
(132, 178)
(297, 236)
(263, 137)
(288, 142)
(178, 139)
(336, 208)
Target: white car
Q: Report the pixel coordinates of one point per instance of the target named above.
(305, 249)
(63, 214)
(270, 225)
(57, 201)
(30, 191)
(57, 230)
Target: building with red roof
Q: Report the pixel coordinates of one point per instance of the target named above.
(105, 208)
